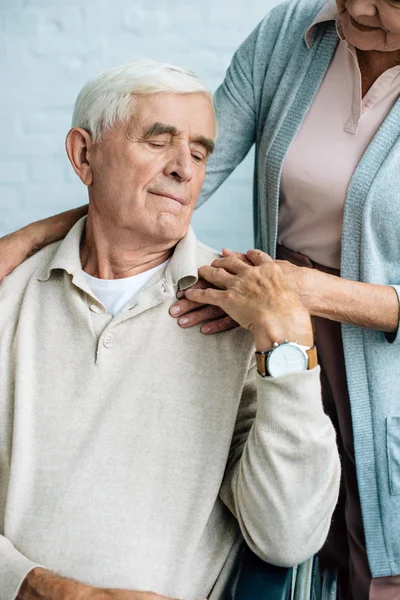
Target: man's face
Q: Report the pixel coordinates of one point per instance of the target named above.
(147, 174)
(371, 24)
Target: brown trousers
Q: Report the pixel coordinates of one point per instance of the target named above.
(345, 546)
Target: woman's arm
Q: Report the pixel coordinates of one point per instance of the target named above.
(362, 304)
(16, 247)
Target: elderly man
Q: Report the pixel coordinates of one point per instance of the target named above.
(132, 456)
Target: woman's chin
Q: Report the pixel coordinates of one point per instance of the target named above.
(376, 39)
(364, 41)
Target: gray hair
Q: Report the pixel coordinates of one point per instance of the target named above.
(109, 97)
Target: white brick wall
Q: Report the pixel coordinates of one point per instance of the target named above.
(50, 48)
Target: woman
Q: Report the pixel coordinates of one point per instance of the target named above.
(315, 87)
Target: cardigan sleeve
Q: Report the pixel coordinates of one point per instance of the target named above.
(283, 473)
(235, 110)
(394, 338)
(238, 101)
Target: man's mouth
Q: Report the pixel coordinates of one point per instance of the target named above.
(182, 201)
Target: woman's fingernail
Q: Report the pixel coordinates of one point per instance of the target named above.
(205, 329)
(180, 294)
(183, 321)
(175, 310)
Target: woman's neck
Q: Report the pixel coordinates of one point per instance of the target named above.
(373, 63)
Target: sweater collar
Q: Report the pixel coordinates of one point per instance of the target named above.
(181, 269)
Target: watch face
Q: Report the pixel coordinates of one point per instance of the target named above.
(285, 359)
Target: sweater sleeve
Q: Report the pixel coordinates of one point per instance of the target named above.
(394, 338)
(14, 567)
(283, 473)
(235, 110)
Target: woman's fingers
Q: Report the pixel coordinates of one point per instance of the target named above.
(231, 264)
(226, 253)
(205, 296)
(258, 257)
(217, 276)
(237, 263)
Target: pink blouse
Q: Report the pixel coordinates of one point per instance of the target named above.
(325, 152)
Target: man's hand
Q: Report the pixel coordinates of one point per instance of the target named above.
(253, 292)
(191, 313)
(44, 585)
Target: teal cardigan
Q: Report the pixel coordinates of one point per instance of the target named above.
(267, 91)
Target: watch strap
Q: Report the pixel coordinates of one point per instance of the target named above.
(261, 360)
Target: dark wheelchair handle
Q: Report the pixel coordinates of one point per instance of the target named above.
(259, 580)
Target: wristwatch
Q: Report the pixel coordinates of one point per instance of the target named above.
(287, 357)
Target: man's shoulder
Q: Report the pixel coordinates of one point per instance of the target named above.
(13, 287)
(205, 254)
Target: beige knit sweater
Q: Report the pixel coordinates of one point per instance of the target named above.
(130, 451)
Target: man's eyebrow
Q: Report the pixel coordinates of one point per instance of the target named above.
(208, 143)
(165, 129)
(160, 129)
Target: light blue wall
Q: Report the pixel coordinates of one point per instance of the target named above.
(50, 48)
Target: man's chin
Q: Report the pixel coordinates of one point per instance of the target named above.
(171, 227)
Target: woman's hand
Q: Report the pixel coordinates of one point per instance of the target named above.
(18, 246)
(14, 249)
(191, 313)
(253, 293)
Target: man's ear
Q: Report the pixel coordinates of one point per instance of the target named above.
(78, 145)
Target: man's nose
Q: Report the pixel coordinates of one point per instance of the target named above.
(180, 164)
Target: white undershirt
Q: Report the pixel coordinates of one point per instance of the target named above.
(115, 293)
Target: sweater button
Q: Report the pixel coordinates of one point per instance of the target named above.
(108, 341)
